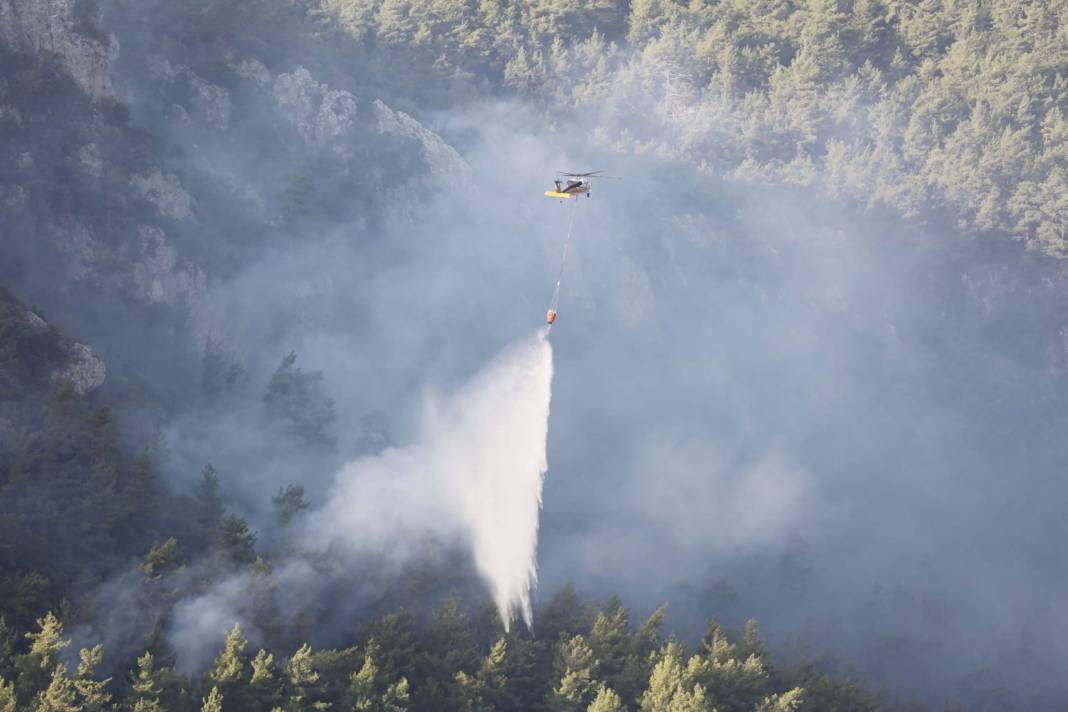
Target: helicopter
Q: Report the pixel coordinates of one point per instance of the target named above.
(572, 185)
(569, 185)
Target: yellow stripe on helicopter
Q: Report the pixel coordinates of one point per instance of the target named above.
(555, 194)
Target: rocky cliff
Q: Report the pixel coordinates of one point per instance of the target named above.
(35, 356)
(68, 29)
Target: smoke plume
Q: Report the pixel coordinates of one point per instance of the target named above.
(475, 471)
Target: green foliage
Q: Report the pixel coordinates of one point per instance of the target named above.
(302, 678)
(406, 664)
(8, 700)
(289, 502)
(74, 505)
(60, 695)
(146, 685)
(788, 701)
(370, 691)
(229, 667)
(936, 109)
(574, 666)
(213, 702)
(221, 371)
(161, 559)
(295, 401)
(91, 692)
(236, 541)
(606, 701)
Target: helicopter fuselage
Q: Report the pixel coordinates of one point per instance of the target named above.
(570, 189)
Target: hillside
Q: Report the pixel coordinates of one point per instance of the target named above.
(809, 369)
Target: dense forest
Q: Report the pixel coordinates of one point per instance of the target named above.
(448, 661)
(154, 149)
(949, 111)
(62, 463)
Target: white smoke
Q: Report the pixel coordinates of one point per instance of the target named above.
(475, 471)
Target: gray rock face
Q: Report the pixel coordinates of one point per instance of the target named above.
(85, 371)
(253, 70)
(80, 366)
(90, 160)
(443, 159)
(319, 114)
(164, 191)
(14, 197)
(210, 101)
(55, 26)
(324, 116)
(204, 100)
(158, 275)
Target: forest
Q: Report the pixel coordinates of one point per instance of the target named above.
(62, 463)
(190, 189)
(940, 110)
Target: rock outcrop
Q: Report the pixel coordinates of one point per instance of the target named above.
(65, 29)
(159, 275)
(37, 356)
(84, 370)
(156, 272)
(252, 70)
(164, 191)
(442, 158)
(325, 116)
(320, 115)
(200, 99)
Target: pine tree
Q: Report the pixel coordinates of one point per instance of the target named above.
(714, 644)
(675, 687)
(60, 695)
(47, 643)
(467, 693)
(574, 668)
(646, 19)
(788, 701)
(7, 696)
(236, 541)
(91, 692)
(34, 669)
(289, 503)
(751, 642)
(143, 705)
(649, 638)
(606, 701)
(147, 686)
(301, 676)
(610, 641)
(396, 697)
(229, 667)
(264, 687)
(366, 687)
(262, 665)
(7, 649)
(295, 400)
(394, 22)
(220, 371)
(209, 502)
(820, 37)
(161, 559)
(565, 614)
(362, 683)
(213, 702)
(452, 642)
(493, 676)
(525, 72)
